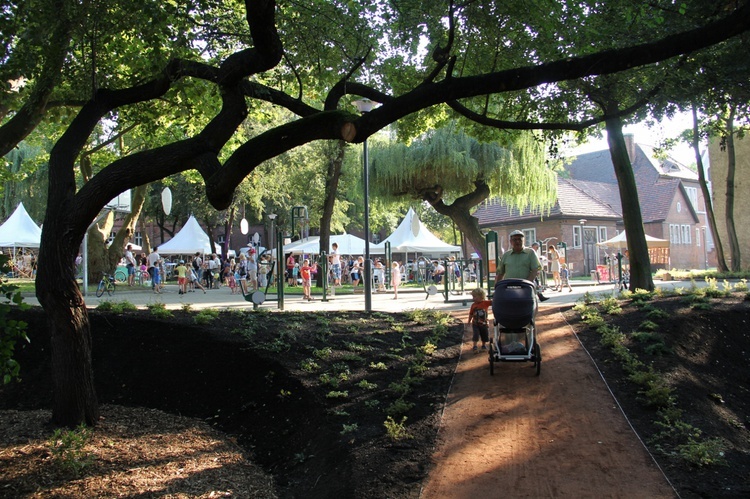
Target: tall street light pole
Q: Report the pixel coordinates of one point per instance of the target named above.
(365, 106)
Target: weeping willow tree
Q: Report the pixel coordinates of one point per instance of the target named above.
(454, 173)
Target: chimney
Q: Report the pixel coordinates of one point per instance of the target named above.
(630, 145)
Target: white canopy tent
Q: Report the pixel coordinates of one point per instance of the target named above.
(20, 230)
(189, 240)
(348, 245)
(620, 242)
(412, 236)
(658, 249)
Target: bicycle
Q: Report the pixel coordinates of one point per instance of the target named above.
(106, 284)
(142, 278)
(121, 276)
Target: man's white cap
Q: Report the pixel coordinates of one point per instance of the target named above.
(516, 233)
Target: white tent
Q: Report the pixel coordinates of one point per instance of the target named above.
(348, 245)
(191, 239)
(412, 236)
(620, 242)
(20, 230)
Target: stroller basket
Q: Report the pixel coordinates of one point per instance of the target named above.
(514, 303)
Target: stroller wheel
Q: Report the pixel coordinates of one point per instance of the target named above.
(538, 358)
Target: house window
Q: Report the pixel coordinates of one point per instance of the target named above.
(138, 238)
(530, 236)
(679, 207)
(602, 234)
(674, 233)
(577, 236)
(376, 239)
(692, 193)
(111, 237)
(220, 239)
(697, 236)
(687, 234)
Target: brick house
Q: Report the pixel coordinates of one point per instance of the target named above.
(588, 211)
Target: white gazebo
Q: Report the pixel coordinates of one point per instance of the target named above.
(189, 240)
(20, 231)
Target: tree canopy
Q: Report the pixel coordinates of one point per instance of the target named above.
(195, 72)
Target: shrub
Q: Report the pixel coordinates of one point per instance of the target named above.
(206, 316)
(10, 330)
(656, 314)
(323, 353)
(611, 306)
(372, 404)
(105, 306)
(309, 365)
(648, 326)
(159, 310)
(703, 453)
(429, 348)
(366, 385)
(399, 407)
(333, 394)
(396, 431)
(349, 428)
(67, 449)
(658, 395)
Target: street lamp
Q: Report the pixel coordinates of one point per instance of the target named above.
(272, 218)
(583, 245)
(365, 106)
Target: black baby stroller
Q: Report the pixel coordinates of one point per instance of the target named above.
(514, 306)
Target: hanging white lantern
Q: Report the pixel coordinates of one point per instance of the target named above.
(166, 200)
(244, 227)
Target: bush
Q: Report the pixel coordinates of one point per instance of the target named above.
(159, 310)
(10, 330)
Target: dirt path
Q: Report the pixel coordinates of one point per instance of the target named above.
(558, 435)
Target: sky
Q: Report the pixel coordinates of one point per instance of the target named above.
(652, 137)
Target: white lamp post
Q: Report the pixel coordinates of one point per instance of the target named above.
(272, 218)
(365, 106)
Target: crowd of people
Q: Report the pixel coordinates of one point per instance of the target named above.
(248, 272)
(244, 274)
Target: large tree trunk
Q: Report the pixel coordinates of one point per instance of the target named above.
(74, 399)
(333, 175)
(734, 244)
(460, 213)
(710, 215)
(640, 265)
(99, 259)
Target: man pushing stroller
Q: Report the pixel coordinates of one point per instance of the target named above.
(519, 262)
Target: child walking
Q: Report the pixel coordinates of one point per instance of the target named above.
(231, 281)
(565, 277)
(306, 274)
(395, 278)
(478, 317)
(182, 277)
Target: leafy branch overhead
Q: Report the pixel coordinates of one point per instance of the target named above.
(201, 78)
(203, 150)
